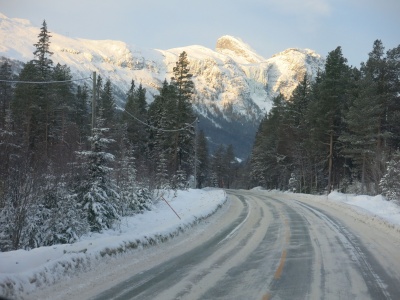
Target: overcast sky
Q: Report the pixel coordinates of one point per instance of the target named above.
(268, 26)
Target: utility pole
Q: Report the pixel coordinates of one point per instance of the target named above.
(94, 102)
(195, 153)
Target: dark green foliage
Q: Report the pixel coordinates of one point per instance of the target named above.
(42, 54)
(107, 105)
(334, 132)
(202, 160)
(135, 118)
(171, 117)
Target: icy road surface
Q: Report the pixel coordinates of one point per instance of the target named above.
(261, 245)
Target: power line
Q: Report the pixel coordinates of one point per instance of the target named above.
(44, 82)
(155, 128)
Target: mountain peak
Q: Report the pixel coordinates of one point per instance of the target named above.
(235, 47)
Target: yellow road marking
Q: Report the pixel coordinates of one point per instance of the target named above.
(278, 271)
(266, 297)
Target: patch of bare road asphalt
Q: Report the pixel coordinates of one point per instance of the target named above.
(270, 246)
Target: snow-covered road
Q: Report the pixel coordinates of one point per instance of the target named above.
(259, 245)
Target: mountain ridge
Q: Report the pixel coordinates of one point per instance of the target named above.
(234, 85)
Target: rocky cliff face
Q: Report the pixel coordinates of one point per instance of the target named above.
(234, 85)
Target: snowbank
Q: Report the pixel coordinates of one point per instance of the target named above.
(374, 210)
(372, 206)
(23, 271)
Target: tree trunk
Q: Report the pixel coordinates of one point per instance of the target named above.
(330, 162)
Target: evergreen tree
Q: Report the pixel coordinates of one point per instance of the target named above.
(8, 144)
(393, 77)
(46, 105)
(107, 105)
(25, 106)
(163, 134)
(42, 54)
(297, 130)
(62, 98)
(361, 137)
(269, 157)
(99, 195)
(162, 178)
(203, 160)
(6, 91)
(135, 116)
(328, 105)
(127, 182)
(81, 115)
(230, 166)
(183, 139)
(219, 167)
(390, 182)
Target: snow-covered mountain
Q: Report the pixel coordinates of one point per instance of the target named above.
(234, 85)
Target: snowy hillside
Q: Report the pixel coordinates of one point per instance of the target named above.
(234, 85)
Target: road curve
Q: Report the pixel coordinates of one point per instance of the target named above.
(265, 246)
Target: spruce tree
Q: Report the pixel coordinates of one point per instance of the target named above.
(329, 103)
(6, 91)
(62, 97)
(297, 130)
(97, 192)
(107, 105)
(135, 116)
(393, 77)
(362, 133)
(183, 139)
(42, 54)
(81, 115)
(269, 155)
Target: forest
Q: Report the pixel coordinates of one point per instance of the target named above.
(340, 131)
(69, 168)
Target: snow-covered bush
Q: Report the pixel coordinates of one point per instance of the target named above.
(390, 182)
(144, 199)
